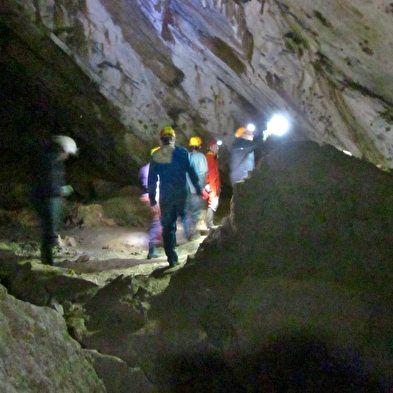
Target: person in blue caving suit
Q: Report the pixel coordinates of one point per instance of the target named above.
(169, 166)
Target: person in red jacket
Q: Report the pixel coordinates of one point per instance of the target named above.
(213, 182)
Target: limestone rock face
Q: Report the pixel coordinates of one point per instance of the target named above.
(37, 353)
(113, 73)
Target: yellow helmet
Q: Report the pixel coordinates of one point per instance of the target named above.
(240, 131)
(195, 141)
(167, 130)
(153, 150)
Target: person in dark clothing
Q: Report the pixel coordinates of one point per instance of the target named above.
(242, 155)
(169, 165)
(48, 187)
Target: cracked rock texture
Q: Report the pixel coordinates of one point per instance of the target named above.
(113, 73)
(37, 353)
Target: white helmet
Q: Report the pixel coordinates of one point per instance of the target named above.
(67, 143)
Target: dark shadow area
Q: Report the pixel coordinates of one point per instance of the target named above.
(292, 364)
(8, 266)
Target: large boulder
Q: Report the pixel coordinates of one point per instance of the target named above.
(43, 285)
(298, 277)
(37, 353)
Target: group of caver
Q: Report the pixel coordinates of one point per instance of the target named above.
(181, 180)
(176, 182)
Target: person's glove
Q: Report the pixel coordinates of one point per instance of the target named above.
(208, 188)
(156, 209)
(67, 190)
(204, 194)
(213, 203)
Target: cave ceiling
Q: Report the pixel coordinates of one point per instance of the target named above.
(112, 73)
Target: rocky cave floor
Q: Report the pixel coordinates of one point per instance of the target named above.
(293, 293)
(98, 253)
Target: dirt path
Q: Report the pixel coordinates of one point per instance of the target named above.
(99, 253)
(96, 253)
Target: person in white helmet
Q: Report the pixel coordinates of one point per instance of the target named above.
(49, 187)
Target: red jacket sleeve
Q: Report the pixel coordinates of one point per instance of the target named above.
(213, 174)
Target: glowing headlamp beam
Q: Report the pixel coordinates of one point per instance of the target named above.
(278, 125)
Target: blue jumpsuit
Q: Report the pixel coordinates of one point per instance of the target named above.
(169, 165)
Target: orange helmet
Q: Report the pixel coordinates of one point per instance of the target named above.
(167, 130)
(195, 141)
(240, 131)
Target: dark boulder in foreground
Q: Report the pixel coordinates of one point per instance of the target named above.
(293, 291)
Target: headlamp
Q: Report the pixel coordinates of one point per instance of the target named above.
(278, 125)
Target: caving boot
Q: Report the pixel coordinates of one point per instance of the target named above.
(173, 264)
(209, 218)
(173, 260)
(152, 253)
(47, 254)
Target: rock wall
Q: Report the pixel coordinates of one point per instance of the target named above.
(293, 290)
(210, 66)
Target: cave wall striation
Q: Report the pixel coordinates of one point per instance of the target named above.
(121, 70)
